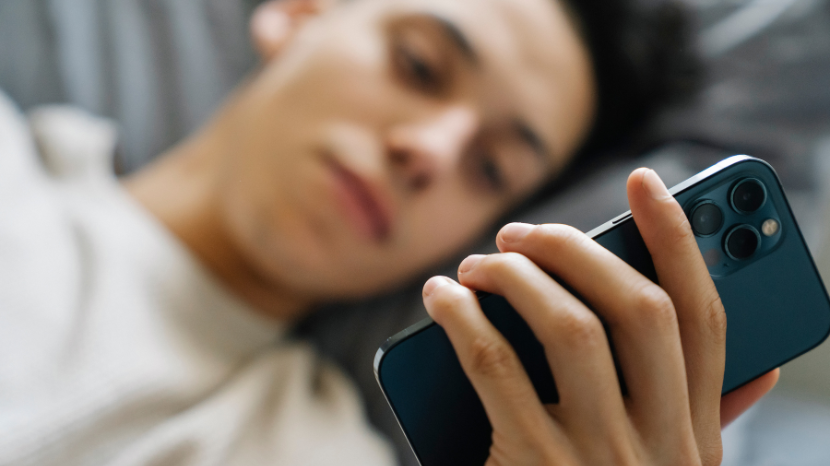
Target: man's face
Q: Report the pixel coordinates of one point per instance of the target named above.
(389, 133)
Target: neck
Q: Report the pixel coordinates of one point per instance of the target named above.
(181, 190)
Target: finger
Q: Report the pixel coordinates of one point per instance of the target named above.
(575, 343)
(734, 403)
(640, 317)
(489, 361)
(683, 274)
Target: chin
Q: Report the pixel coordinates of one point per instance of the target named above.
(322, 272)
(346, 282)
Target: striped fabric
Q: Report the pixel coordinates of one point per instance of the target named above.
(158, 67)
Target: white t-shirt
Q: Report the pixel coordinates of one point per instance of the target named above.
(118, 348)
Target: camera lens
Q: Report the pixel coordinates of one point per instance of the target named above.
(706, 219)
(741, 242)
(748, 195)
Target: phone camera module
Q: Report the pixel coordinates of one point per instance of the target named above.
(748, 195)
(741, 242)
(706, 218)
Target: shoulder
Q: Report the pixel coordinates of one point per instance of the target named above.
(16, 144)
(73, 143)
(53, 143)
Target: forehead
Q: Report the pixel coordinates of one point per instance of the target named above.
(531, 62)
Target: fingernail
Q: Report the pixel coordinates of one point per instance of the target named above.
(655, 186)
(513, 232)
(434, 283)
(470, 262)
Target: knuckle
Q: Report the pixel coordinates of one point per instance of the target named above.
(491, 357)
(682, 230)
(654, 306)
(580, 330)
(714, 316)
(558, 236)
(712, 455)
(503, 263)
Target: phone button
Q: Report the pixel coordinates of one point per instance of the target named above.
(621, 218)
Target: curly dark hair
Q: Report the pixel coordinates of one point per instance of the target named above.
(644, 61)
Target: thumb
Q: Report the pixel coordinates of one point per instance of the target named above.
(734, 403)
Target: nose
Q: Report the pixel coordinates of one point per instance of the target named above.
(422, 150)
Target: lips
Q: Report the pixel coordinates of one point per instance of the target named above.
(363, 203)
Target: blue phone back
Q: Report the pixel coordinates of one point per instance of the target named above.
(776, 306)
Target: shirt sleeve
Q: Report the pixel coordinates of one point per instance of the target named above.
(20, 169)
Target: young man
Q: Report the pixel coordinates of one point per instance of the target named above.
(379, 137)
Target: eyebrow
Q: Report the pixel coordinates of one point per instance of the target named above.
(532, 139)
(463, 44)
(457, 38)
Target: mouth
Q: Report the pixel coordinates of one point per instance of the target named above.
(362, 202)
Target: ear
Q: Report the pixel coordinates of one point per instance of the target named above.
(274, 22)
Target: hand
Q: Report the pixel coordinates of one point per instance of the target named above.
(670, 342)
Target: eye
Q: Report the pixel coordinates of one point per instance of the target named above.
(490, 172)
(415, 69)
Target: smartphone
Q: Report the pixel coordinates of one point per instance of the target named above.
(776, 305)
